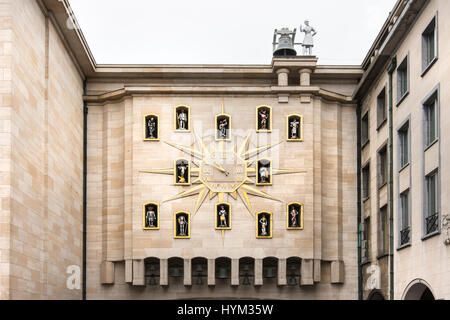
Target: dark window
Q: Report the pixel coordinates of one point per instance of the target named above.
(405, 231)
(403, 135)
(381, 107)
(365, 250)
(430, 122)
(384, 231)
(431, 210)
(365, 129)
(429, 44)
(402, 79)
(366, 182)
(382, 167)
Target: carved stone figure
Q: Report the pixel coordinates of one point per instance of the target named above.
(151, 128)
(150, 217)
(295, 127)
(263, 119)
(182, 225)
(223, 129)
(294, 215)
(264, 175)
(182, 169)
(263, 224)
(308, 42)
(223, 217)
(182, 120)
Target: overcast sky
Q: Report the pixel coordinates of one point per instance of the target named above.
(228, 32)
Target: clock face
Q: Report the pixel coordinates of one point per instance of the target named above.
(223, 171)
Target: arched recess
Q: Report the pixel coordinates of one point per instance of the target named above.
(270, 270)
(375, 295)
(293, 265)
(152, 271)
(176, 270)
(418, 290)
(223, 269)
(199, 271)
(246, 271)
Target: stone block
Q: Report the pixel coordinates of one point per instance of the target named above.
(307, 273)
(107, 272)
(337, 272)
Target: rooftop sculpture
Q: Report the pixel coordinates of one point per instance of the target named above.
(285, 44)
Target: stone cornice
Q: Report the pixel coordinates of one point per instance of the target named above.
(205, 90)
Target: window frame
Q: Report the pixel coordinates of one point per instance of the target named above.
(363, 169)
(383, 236)
(381, 122)
(365, 118)
(401, 226)
(404, 65)
(437, 198)
(405, 127)
(382, 149)
(433, 99)
(428, 63)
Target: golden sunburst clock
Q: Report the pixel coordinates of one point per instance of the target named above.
(218, 170)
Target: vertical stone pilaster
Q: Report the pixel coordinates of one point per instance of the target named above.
(317, 270)
(163, 272)
(307, 273)
(282, 281)
(258, 272)
(235, 272)
(211, 272)
(187, 281)
(138, 273)
(128, 271)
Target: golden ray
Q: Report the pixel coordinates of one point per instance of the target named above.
(192, 152)
(249, 181)
(244, 145)
(223, 233)
(254, 152)
(233, 195)
(221, 197)
(159, 171)
(286, 171)
(190, 192)
(200, 199)
(244, 198)
(197, 181)
(258, 193)
(202, 145)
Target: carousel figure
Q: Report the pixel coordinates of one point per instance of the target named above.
(150, 217)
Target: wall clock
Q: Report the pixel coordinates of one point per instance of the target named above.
(220, 169)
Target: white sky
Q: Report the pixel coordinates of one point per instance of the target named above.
(228, 32)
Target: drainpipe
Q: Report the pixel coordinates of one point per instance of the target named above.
(391, 70)
(85, 113)
(358, 125)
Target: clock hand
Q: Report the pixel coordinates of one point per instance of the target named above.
(220, 168)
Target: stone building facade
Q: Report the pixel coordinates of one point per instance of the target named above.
(78, 169)
(410, 111)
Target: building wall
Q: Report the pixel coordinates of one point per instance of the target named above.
(46, 159)
(6, 53)
(425, 259)
(117, 191)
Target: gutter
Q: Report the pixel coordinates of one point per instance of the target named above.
(359, 194)
(85, 113)
(391, 69)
